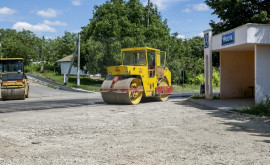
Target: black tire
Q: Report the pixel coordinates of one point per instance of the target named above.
(27, 95)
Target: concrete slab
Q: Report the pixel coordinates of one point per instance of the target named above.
(224, 104)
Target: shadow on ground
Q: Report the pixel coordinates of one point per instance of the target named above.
(254, 125)
(45, 105)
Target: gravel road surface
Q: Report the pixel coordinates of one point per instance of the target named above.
(60, 127)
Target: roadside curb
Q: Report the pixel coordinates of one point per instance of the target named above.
(40, 82)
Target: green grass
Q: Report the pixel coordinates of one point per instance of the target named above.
(85, 82)
(202, 96)
(51, 86)
(189, 88)
(186, 88)
(261, 109)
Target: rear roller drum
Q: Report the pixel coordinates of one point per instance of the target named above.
(163, 97)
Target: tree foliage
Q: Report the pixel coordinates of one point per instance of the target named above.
(19, 44)
(57, 48)
(119, 24)
(234, 13)
(27, 45)
(115, 24)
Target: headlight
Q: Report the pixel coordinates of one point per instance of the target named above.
(110, 73)
(126, 72)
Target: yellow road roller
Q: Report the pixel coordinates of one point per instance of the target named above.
(14, 83)
(143, 73)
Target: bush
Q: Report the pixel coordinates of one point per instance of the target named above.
(261, 109)
(48, 66)
(202, 96)
(199, 79)
(36, 67)
(216, 79)
(32, 68)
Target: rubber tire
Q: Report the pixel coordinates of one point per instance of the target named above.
(27, 95)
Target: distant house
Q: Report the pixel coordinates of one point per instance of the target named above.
(65, 63)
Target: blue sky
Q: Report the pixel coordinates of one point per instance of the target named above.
(50, 18)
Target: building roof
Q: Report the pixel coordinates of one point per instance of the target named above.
(66, 59)
(244, 38)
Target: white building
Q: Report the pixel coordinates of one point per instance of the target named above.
(65, 64)
(244, 61)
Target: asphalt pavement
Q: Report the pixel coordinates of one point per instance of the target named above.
(43, 98)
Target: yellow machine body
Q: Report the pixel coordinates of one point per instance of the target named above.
(147, 66)
(14, 83)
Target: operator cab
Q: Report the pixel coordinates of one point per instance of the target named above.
(154, 59)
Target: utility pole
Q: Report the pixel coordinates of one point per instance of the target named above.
(0, 46)
(0, 49)
(148, 13)
(42, 65)
(78, 69)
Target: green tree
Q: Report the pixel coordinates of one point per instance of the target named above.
(234, 13)
(119, 24)
(59, 47)
(22, 44)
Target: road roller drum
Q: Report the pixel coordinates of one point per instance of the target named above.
(122, 91)
(13, 94)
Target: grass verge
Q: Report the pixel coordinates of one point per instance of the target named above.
(85, 82)
(261, 109)
(202, 96)
(189, 88)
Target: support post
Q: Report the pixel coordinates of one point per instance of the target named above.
(78, 69)
(42, 57)
(71, 64)
(208, 68)
(148, 13)
(64, 78)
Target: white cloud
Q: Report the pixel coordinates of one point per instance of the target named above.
(200, 7)
(49, 13)
(163, 4)
(182, 36)
(186, 10)
(200, 34)
(76, 2)
(6, 10)
(50, 37)
(55, 23)
(19, 26)
(189, 20)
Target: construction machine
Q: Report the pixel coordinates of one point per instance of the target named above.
(14, 83)
(143, 73)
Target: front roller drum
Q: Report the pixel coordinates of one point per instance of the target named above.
(13, 94)
(128, 96)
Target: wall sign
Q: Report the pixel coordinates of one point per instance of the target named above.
(228, 38)
(206, 40)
